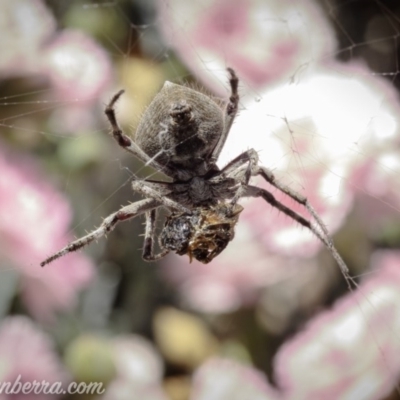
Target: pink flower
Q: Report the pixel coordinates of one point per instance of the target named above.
(332, 135)
(350, 351)
(34, 222)
(220, 379)
(265, 42)
(139, 370)
(236, 278)
(78, 67)
(28, 355)
(80, 73)
(25, 26)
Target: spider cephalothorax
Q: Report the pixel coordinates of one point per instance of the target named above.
(181, 134)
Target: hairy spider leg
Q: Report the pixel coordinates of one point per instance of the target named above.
(230, 111)
(235, 167)
(148, 189)
(149, 235)
(127, 143)
(254, 191)
(251, 157)
(127, 212)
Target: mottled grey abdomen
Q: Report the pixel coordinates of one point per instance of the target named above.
(180, 127)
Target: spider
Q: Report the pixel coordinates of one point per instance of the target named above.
(181, 134)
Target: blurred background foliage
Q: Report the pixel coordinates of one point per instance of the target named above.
(58, 130)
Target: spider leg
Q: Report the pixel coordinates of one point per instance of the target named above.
(230, 112)
(127, 212)
(148, 251)
(254, 191)
(157, 191)
(126, 142)
(235, 168)
(243, 175)
(251, 157)
(248, 156)
(270, 178)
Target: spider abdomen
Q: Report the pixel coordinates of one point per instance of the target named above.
(180, 128)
